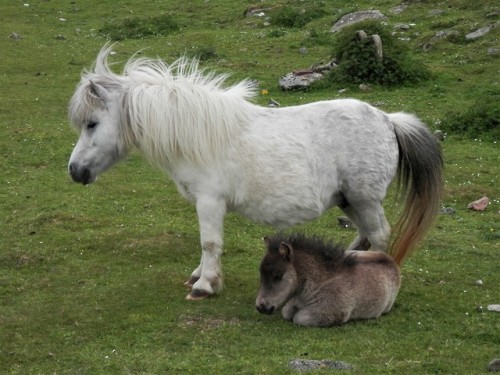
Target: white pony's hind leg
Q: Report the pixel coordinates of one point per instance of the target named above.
(206, 279)
(373, 229)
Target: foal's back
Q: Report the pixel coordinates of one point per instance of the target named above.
(367, 289)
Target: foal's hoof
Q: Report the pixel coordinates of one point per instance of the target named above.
(197, 295)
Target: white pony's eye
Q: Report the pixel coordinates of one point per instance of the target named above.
(91, 125)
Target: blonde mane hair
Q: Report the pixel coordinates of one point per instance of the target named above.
(168, 111)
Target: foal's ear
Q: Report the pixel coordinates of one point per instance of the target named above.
(285, 251)
(99, 91)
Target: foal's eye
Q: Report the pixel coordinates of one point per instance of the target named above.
(277, 277)
(91, 125)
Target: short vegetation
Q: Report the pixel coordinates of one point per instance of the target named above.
(296, 16)
(479, 120)
(139, 27)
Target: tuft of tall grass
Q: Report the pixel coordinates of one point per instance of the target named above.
(139, 27)
(296, 17)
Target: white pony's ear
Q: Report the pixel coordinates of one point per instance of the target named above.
(99, 91)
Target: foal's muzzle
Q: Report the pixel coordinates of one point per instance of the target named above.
(80, 175)
(263, 309)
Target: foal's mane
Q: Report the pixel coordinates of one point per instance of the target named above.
(168, 111)
(325, 252)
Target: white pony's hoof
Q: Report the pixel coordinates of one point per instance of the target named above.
(191, 282)
(198, 295)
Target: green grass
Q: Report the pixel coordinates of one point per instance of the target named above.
(91, 277)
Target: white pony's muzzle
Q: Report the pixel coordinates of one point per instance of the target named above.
(80, 174)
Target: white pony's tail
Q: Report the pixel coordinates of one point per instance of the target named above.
(420, 171)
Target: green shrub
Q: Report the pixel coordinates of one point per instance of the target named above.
(293, 17)
(480, 120)
(359, 64)
(277, 33)
(139, 27)
(204, 53)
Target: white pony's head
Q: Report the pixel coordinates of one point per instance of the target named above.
(95, 112)
(170, 112)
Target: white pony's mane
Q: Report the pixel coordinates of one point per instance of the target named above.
(168, 111)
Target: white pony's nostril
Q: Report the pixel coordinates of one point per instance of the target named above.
(81, 175)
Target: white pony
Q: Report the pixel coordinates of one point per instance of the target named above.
(280, 166)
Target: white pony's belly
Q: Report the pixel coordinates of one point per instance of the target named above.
(279, 215)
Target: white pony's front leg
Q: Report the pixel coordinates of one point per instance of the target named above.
(206, 280)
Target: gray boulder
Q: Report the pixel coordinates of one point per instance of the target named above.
(352, 18)
(299, 79)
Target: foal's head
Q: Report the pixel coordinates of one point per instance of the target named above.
(280, 270)
(278, 278)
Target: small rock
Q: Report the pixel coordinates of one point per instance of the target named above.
(15, 36)
(480, 32)
(493, 14)
(310, 364)
(61, 37)
(377, 44)
(495, 308)
(479, 282)
(493, 51)
(435, 12)
(62, 19)
(479, 205)
(303, 50)
(443, 34)
(448, 210)
(400, 8)
(364, 87)
(402, 26)
(494, 365)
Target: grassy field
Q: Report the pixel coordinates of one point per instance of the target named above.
(91, 278)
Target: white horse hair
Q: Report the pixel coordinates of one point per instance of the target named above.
(280, 166)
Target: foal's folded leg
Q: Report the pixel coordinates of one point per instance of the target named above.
(290, 309)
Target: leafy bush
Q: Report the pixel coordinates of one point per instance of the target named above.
(480, 120)
(293, 17)
(137, 27)
(358, 62)
(204, 53)
(277, 33)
